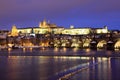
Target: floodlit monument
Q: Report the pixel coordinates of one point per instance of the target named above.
(14, 31)
(47, 27)
(49, 34)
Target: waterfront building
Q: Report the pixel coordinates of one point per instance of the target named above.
(49, 34)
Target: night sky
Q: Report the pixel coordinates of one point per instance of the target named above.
(80, 13)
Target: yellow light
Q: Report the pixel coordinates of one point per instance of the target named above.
(85, 58)
(14, 31)
(117, 44)
(31, 49)
(104, 58)
(24, 49)
(9, 50)
(56, 49)
(43, 44)
(87, 50)
(75, 49)
(63, 45)
(64, 49)
(10, 45)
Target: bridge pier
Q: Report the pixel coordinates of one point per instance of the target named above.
(110, 45)
(93, 45)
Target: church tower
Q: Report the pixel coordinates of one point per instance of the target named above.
(14, 31)
(43, 24)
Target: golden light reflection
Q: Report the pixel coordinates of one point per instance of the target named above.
(109, 60)
(85, 58)
(43, 48)
(117, 49)
(93, 60)
(31, 49)
(101, 59)
(9, 50)
(64, 49)
(66, 57)
(109, 66)
(55, 49)
(75, 49)
(87, 50)
(24, 50)
(104, 58)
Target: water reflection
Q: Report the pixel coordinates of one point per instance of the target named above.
(56, 49)
(9, 50)
(107, 69)
(31, 49)
(75, 49)
(64, 49)
(24, 50)
(36, 67)
(41, 67)
(87, 50)
(55, 63)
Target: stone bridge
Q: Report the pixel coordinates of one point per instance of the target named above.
(96, 42)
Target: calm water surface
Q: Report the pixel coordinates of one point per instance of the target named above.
(36, 67)
(106, 70)
(47, 64)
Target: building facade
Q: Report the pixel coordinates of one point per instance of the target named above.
(46, 27)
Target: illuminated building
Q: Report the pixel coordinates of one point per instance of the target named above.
(46, 27)
(45, 24)
(103, 30)
(76, 31)
(45, 35)
(14, 31)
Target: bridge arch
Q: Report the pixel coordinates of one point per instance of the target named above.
(117, 44)
(102, 44)
(77, 44)
(86, 44)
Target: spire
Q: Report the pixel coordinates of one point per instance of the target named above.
(14, 31)
(44, 22)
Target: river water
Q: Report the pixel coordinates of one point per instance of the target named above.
(54, 64)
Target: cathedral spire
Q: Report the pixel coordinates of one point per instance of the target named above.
(14, 31)
(43, 24)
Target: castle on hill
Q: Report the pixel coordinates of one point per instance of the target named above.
(46, 27)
